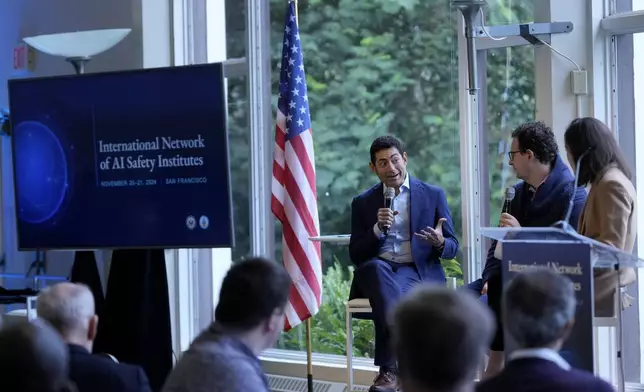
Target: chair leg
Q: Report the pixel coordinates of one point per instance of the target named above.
(349, 351)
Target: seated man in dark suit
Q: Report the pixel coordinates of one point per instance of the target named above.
(33, 358)
(539, 310)
(541, 199)
(440, 337)
(398, 247)
(69, 308)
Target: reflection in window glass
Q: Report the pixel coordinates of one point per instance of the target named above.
(239, 150)
(372, 69)
(509, 102)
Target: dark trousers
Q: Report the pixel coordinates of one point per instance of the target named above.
(384, 282)
(494, 295)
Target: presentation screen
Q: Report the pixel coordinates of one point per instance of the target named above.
(135, 159)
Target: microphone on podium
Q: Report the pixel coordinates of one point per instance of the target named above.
(390, 193)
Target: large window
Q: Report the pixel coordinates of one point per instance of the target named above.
(373, 68)
(628, 60)
(235, 28)
(239, 150)
(233, 37)
(508, 102)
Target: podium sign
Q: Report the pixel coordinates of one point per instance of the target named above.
(570, 258)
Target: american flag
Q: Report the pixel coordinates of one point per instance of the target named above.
(294, 200)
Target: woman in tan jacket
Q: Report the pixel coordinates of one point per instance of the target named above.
(610, 213)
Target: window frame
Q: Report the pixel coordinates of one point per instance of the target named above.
(619, 27)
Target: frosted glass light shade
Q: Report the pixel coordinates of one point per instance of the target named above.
(77, 44)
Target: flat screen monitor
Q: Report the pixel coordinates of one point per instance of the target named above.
(133, 159)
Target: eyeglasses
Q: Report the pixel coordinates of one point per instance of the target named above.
(511, 154)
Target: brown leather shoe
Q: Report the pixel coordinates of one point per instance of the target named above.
(385, 381)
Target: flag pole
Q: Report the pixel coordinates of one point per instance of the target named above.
(309, 359)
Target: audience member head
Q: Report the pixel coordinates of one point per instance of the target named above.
(533, 151)
(69, 308)
(252, 300)
(33, 358)
(539, 308)
(592, 137)
(440, 337)
(389, 161)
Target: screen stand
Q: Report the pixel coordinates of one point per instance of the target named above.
(137, 302)
(38, 266)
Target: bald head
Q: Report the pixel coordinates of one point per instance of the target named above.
(444, 330)
(69, 308)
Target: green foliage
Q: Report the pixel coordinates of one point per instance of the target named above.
(453, 270)
(377, 67)
(328, 327)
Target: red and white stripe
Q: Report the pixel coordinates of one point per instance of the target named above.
(294, 203)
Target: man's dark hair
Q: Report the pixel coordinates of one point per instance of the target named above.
(441, 336)
(385, 143)
(590, 134)
(250, 293)
(538, 306)
(537, 137)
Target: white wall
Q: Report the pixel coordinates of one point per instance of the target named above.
(148, 45)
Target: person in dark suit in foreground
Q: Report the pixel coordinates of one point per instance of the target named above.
(69, 308)
(446, 359)
(33, 358)
(396, 248)
(538, 312)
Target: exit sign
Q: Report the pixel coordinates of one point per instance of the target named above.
(23, 57)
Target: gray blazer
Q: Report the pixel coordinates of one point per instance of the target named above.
(217, 362)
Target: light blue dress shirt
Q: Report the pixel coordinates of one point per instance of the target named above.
(397, 245)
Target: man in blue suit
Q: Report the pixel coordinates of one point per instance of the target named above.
(419, 232)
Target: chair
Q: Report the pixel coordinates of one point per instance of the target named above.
(362, 308)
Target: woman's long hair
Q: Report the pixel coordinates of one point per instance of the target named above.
(591, 136)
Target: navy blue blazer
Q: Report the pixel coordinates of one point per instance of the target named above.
(542, 209)
(96, 373)
(427, 205)
(537, 375)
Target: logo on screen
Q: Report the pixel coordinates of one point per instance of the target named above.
(204, 222)
(191, 222)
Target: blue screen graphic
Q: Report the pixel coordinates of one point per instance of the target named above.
(134, 159)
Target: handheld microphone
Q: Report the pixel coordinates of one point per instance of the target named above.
(571, 203)
(390, 193)
(509, 196)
